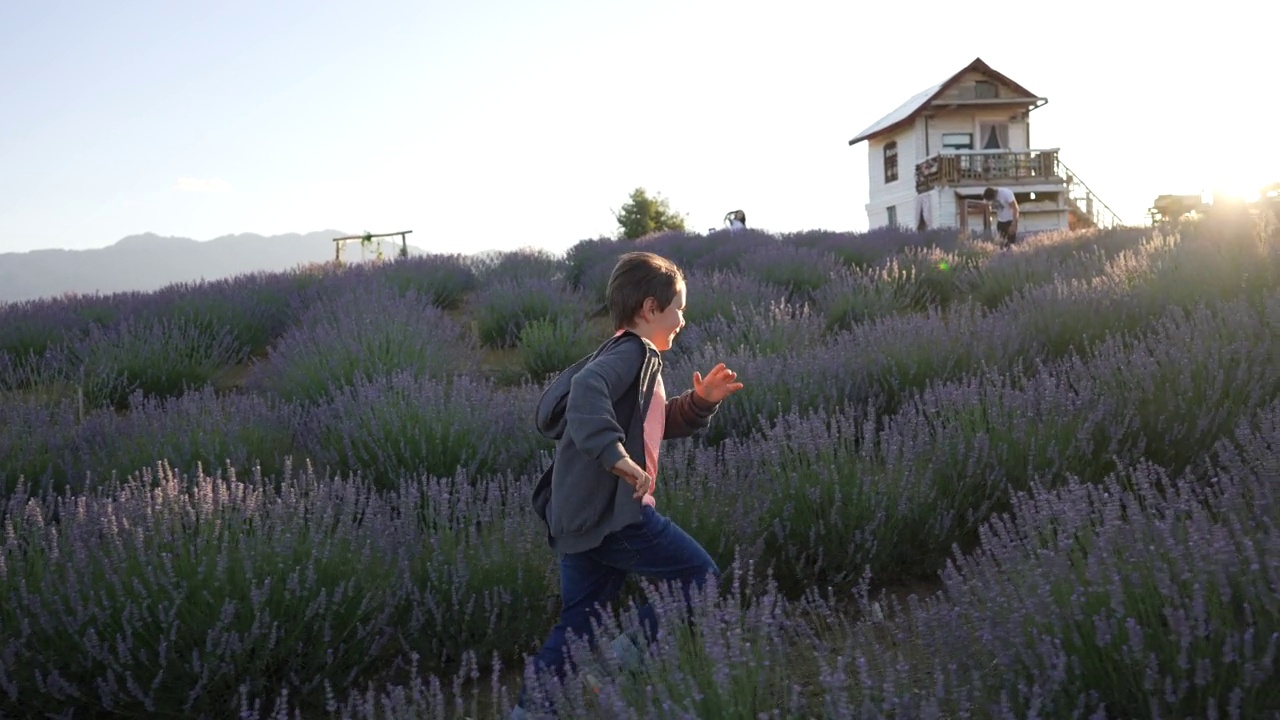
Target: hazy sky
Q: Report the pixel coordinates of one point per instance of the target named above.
(486, 124)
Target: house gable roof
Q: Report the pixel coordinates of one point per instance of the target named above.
(908, 111)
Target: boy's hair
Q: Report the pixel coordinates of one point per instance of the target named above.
(989, 194)
(640, 275)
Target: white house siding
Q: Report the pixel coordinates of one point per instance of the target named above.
(934, 212)
(901, 193)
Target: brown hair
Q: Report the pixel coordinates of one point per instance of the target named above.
(637, 276)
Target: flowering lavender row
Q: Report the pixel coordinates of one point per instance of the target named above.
(402, 425)
(384, 429)
(1149, 594)
(49, 445)
(173, 595)
(465, 517)
(256, 307)
(827, 493)
(105, 365)
(363, 332)
(253, 306)
(831, 374)
(886, 358)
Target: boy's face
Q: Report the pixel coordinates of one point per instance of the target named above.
(661, 326)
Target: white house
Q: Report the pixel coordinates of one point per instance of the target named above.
(947, 143)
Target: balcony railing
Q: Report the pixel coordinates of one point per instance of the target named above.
(974, 167)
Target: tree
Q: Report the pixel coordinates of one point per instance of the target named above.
(643, 215)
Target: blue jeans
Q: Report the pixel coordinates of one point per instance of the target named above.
(655, 547)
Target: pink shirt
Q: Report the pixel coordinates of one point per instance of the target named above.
(655, 426)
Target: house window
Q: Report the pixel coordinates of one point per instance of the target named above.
(993, 135)
(893, 216)
(984, 90)
(891, 162)
(957, 141)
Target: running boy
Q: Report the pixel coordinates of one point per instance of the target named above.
(609, 418)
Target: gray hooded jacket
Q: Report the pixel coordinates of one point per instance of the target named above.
(595, 411)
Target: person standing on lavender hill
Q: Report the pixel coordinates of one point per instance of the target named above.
(609, 417)
(1007, 213)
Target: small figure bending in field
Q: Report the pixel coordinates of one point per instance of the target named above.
(609, 413)
(1007, 213)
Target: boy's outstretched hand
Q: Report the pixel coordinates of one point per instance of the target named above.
(719, 384)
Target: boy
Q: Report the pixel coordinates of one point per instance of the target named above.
(609, 418)
(1007, 213)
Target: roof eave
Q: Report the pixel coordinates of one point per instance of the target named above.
(884, 130)
(979, 65)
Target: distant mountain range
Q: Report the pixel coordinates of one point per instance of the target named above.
(149, 262)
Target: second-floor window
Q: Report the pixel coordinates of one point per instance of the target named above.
(891, 162)
(994, 135)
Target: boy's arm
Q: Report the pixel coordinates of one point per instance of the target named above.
(688, 413)
(589, 416)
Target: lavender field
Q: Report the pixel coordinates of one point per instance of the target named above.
(960, 483)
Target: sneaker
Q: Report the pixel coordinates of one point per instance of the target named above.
(629, 656)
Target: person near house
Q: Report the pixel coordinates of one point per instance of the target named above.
(1007, 212)
(609, 414)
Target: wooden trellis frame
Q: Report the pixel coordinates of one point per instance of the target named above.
(340, 242)
(967, 205)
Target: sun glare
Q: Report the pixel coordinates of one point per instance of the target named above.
(1232, 193)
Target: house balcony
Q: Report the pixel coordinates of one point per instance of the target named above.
(989, 167)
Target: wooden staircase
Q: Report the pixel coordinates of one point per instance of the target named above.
(1084, 209)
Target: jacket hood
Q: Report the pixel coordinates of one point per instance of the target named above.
(550, 415)
(551, 406)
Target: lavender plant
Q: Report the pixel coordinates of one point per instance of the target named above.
(855, 296)
(506, 306)
(446, 279)
(254, 307)
(31, 328)
(201, 429)
(549, 345)
(37, 441)
(169, 595)
(402, 425)
(528, 263)
(799, 272)
(365, 332)
(164, 357)
(1145, 596)
(721, 293)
